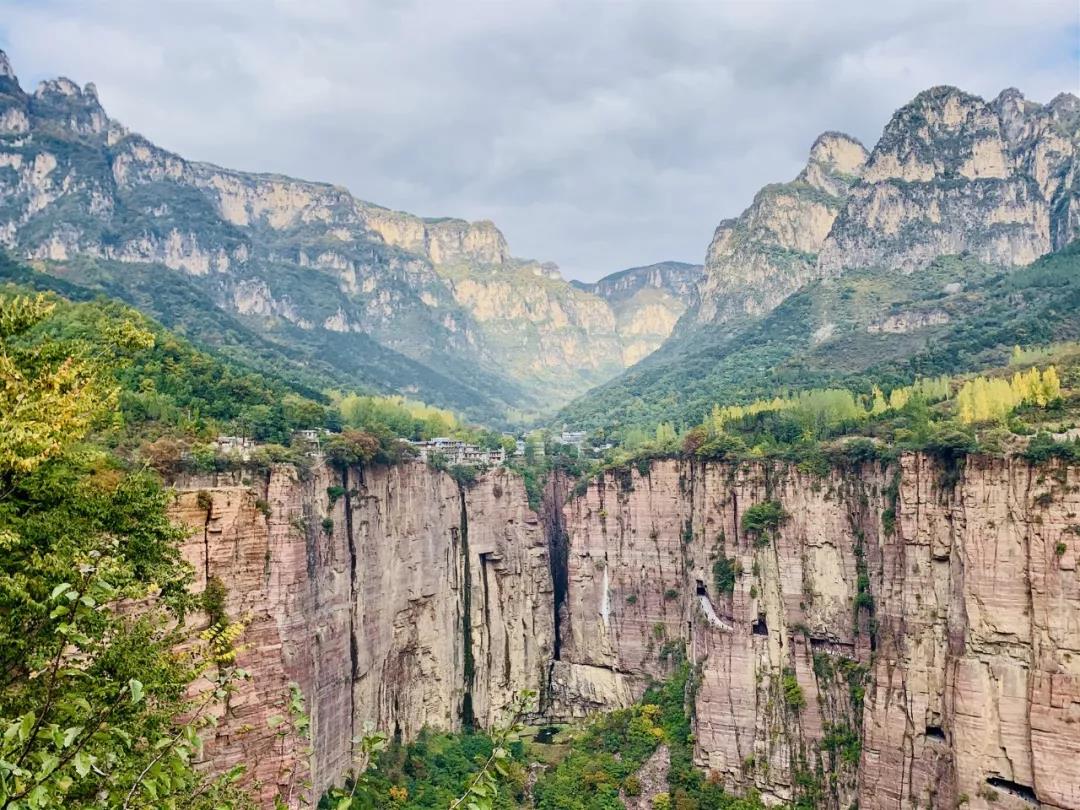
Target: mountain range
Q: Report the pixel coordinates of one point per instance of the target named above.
(869, 263)
(356, 295)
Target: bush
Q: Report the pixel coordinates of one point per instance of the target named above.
(724, 575)
(793, 693)
(888, 521)
(951, 444)
(763, 517)
(351, 447)
(858, 451)
(722, 447)
(465, 475)
(1044, 447)
(212, 600)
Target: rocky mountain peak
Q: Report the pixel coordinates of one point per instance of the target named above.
(839, 153)
(63, 104)
(836, 160)
(1064, 107)
(451, 241)
(60, 86)
(943, 132)
(1012, 109)
(6, 71)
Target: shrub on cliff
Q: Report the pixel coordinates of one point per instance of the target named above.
(724, 572)
(763, 517)
(721, 447)
(1044, 447)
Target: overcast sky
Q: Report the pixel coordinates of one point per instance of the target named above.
(598, 135)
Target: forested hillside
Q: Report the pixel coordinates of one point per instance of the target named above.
(865, 328)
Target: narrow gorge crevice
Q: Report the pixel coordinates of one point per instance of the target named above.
(350, 538)
(467, 712)
(558, 550)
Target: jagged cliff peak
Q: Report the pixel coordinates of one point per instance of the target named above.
(942, 132)
(836, 161)
(443, 240)
(680, 278)
(838, 152)
(6, 70)
(770, 250)
(1066, 103)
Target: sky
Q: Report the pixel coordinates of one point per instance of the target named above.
(598, 135)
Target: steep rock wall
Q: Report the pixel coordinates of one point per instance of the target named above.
(400, 600)
(907, 636)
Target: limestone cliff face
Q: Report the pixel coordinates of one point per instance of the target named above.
(755, 261)
(908, 636)
(405, 602)
(954, 173)
(284, 253)
(951, 173)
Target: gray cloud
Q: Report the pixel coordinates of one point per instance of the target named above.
(596, 134)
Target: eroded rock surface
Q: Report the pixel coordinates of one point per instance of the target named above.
(400, 600)
(908, 635)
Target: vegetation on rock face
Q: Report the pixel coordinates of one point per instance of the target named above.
(763, 517)
(438, 770)
(606, 757)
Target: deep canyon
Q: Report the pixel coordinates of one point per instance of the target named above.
(931, 611)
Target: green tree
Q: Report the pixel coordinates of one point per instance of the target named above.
(91, 686)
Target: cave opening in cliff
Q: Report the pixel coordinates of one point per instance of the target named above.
(1014, 788)
(759, 627)
(701, 589)
(935, 733)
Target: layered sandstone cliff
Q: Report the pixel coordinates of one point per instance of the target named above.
(907, 636)
(398, 599)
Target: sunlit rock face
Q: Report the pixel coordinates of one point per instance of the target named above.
(404, 602)
(953, 173)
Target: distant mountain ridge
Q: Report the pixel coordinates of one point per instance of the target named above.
(648, 301)
(306, 263)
